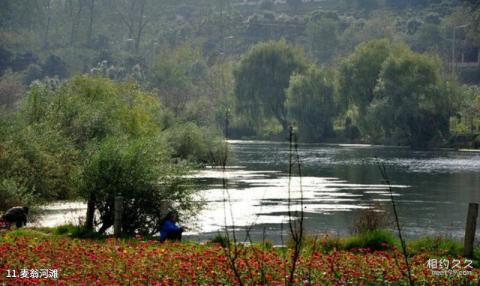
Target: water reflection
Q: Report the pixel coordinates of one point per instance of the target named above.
(261, 198)
(61, 213)
(432, 188)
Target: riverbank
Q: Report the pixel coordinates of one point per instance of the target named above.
(139, 261)
(338, 183)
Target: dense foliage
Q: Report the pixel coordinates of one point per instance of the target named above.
(93, 138)
(398, 96)
(261, 80)
(310, 104)
(412, 104)
(140, 172)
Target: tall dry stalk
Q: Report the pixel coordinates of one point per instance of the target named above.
(230, 248)
(386, 179)
(296, 227)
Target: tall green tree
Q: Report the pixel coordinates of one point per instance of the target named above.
(310, 104)
(359, 72)
(358, 77)
(262, 78)
(89, 110)
(412, 102)
(140, 171)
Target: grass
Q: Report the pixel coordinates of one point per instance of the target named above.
(76, 231)
(220, 239)
(367, 240)
(67, 229)
(373, 240)
(476, 256)
(28, 232)
(73, 231)
(439, 245)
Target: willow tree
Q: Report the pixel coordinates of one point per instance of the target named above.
(360, 71)
(262, 78)
(91, 110)
(413, 102)
(358, 76)
(310, 104)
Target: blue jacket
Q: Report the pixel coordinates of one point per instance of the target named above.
(168, 228)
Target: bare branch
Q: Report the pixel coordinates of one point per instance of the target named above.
(386, 179)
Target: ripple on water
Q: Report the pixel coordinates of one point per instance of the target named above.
(265, 195)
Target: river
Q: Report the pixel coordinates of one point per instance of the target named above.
(432, 190)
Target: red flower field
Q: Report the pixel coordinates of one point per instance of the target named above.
(139, 262)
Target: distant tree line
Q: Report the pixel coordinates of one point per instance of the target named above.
(382, 93)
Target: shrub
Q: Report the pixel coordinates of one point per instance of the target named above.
(190, 142)
(220, 239)
(322, 243)
(266, 244)
(370, 219)
(374, 240)
(82, 232)
(39, 161)
(66, 229)
(329, 242)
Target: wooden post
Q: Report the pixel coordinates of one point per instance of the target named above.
(118, 212)
(470, 229)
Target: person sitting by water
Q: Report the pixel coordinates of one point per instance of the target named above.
(169, 230)
(17, 215)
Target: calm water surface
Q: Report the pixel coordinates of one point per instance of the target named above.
(432, 190)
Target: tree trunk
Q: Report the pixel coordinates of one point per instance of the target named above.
(285, 126)
(141, 25)
(281, 117)
(47, 28)
(90, 211)
(90, 23)
(76, 22)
